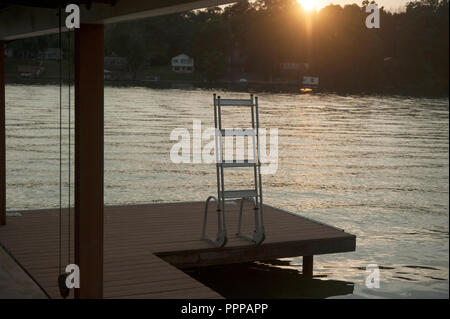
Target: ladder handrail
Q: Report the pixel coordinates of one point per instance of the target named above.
(236, 102)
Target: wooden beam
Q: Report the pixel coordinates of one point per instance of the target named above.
(2, 137)
(17, 22)
(89, 51)
(268, 251)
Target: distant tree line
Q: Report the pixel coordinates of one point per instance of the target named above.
(410, 51)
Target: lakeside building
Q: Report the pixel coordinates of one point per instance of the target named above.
(310, 81)
(294, 66)
(9, 52)
(29, 71)
(182, 64)
(293, 71)
(51, 54)
(116, 62)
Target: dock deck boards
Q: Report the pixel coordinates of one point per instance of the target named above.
(145, 245)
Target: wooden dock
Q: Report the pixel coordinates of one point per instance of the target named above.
(145, 246)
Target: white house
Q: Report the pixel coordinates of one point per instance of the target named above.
(9, 52)
(114, 61)
(294, 66)
(30, 71)
(183, 63)
(107, 74)
(311, 81)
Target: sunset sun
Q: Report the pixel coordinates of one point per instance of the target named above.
(308, 5)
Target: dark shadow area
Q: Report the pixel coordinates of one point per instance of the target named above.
(265, 281)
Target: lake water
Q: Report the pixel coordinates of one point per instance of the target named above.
(375, 166)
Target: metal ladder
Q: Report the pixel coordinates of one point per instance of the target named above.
(255, 194)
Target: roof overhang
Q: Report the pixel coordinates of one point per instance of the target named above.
(22, 21)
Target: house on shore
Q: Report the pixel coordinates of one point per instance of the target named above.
(115, 62)
(294, 66)
(29, 71)
(182, 64)
(311, 82)
(9, 52)
(293, 70)
(51, 54)
(107, 74)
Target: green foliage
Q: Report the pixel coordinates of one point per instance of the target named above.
(409, 50)
(213, 62)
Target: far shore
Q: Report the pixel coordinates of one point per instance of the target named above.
(251, 86)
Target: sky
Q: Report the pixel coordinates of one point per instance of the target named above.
(393, 5)
(389, 5)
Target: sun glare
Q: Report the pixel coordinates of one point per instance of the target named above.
(308, 5)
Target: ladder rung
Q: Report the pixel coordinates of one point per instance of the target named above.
(232, 132)
(235, 102)
(240, 194)
(245, 163)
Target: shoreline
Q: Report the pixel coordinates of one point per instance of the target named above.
(256, 86)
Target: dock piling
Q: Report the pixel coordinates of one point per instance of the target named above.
(2, 136)
(308, 264)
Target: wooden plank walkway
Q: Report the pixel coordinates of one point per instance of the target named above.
(144, 243)
(15, 282)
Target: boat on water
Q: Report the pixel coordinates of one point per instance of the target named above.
(309, 84)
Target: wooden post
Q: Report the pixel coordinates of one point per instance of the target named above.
(89, 72)
(308, 264)
(2, 137)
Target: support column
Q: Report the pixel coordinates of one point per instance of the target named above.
(308, 264)
(2, 137)
(89, 52)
